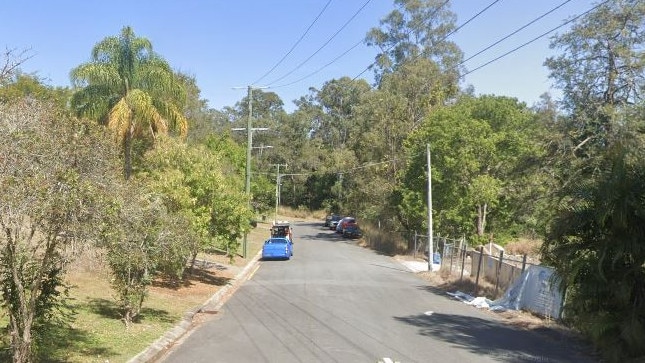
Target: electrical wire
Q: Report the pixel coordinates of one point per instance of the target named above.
(295, 45)
(366, 165)
(443, 39)
(514, 32)
(321, 68)
(345, 53)
(324, 45)
(536, 38)
(468, 21)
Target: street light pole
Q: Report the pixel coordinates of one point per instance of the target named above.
(249, 146)
(430, 240)
(249, 143)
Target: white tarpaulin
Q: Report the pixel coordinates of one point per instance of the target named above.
(537, 290)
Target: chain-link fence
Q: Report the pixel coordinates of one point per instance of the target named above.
(485, 264)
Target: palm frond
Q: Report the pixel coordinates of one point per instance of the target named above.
(120, 120)
(156, 78)
(90, 74)
(145, 115)
(92, 102)
(106, 51)
(177, 120)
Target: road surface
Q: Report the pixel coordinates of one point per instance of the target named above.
(337, 302)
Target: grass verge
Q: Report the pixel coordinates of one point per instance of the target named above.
(97, 333)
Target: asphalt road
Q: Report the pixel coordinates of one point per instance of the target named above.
(337, 302)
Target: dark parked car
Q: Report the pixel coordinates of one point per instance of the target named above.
(342, 222)
(331, 218)
(352, 231)
(334, 221)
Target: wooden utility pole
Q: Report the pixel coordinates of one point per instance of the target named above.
(277, 190)
(249, 147)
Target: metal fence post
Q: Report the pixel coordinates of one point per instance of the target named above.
(463, 263)
(415, 245)
(499, 269)
(479, 267)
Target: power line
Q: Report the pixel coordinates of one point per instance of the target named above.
(468, 21)
(443, 39)
(536, 38)
(295, 45)
(514, 32)
(324, 45)
(323, 67)
(345, 53)
(334, 60)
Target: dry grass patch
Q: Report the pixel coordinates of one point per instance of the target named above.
(524, 246)
(301, 213)
(383, 241)
(97, 333)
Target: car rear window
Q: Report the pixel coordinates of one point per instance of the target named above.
(281, 240)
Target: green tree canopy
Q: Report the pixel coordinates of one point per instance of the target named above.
(25, 85)
(480, 147)
(58, 176)
(596, 243)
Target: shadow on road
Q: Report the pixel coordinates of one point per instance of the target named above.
(328, 236)
(506, 343)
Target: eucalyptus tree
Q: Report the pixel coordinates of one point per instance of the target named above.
(204, 121)
(131, 89)
(416, 29)
(601, 69)
(326, 119)
(338, 99)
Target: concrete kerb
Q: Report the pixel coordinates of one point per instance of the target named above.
(214, 303)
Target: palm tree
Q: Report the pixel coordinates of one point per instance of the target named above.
(130, 89)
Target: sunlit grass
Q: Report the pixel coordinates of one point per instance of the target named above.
(97, 333)
(383, 241)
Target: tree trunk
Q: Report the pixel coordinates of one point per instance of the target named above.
(192, 262)
(481, 218)
(21, 351)
(21, 341)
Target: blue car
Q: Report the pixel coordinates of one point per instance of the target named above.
(277, 248)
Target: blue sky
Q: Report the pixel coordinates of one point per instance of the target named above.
(228, 44)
